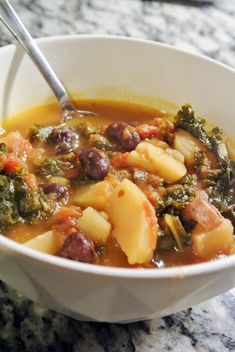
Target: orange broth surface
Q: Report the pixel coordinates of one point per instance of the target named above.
(109, 112)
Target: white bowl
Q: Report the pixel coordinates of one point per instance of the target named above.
(118, 68)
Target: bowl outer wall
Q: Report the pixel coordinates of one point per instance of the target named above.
(146, 69)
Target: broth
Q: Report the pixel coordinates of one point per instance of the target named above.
(154, 189)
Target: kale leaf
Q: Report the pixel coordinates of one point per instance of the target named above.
(218, 181)
(31, 204)
(18, 203)
(3, 148)
(55, 166)
(39, 134)
(189, 121)
(81, 179)
(176, 197)
(101, 142)
(9, 214)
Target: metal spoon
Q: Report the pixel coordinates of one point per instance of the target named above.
(16, 27)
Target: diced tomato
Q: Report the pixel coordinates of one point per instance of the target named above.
(120, 160)
(12, 164)
(66, 212)
(152, 222)
(207, 216)
(152, 196)
(150, 215)
(72, 172)
(149, 131)
(66, 228)
(66, 219)
(31, 181)
(164, 125)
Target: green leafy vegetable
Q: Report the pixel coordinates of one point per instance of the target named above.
(3, 148)
(218, 180)
(39, 134)
(177, 229)
(31, 204)
(189, 121)
(18, 203)
(176, 197)
(201, 161)
(165, 240)
(82, 179)
(172, 233)
(85, 129)
(55, 166)
(220, 150)
(101, 142)
(9, 214)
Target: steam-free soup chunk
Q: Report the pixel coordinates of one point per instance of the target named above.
(134, 222)
(49, 242)
(95, 224)
(188, 145)
(166, 163)
(216, 241)
(93, 195)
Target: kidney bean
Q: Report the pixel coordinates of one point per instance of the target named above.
(95, 163)
(78, 247)
(65, 139)
(53, 188)
(123, 134)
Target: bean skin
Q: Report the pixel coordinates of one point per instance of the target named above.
(64, 138)
(123, 134)
(95, 163)
(78, 247)
(49, 188)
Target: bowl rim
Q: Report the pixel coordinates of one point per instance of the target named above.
(129, 273)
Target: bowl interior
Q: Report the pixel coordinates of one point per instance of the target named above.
(121, 69)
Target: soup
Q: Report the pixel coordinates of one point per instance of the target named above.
(135, 187)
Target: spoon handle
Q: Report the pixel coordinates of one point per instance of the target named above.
(16, 27)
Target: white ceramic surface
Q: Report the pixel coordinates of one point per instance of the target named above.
(118, 68)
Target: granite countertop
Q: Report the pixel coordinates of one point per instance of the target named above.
(25, 326)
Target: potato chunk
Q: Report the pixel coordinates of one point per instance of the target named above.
(216, 241)
(49, 242)
(187, 145)
(94, 195)
(134, 222)
(95, 225)
(166, 163)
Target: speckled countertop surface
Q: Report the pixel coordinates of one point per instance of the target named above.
(208, 327)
